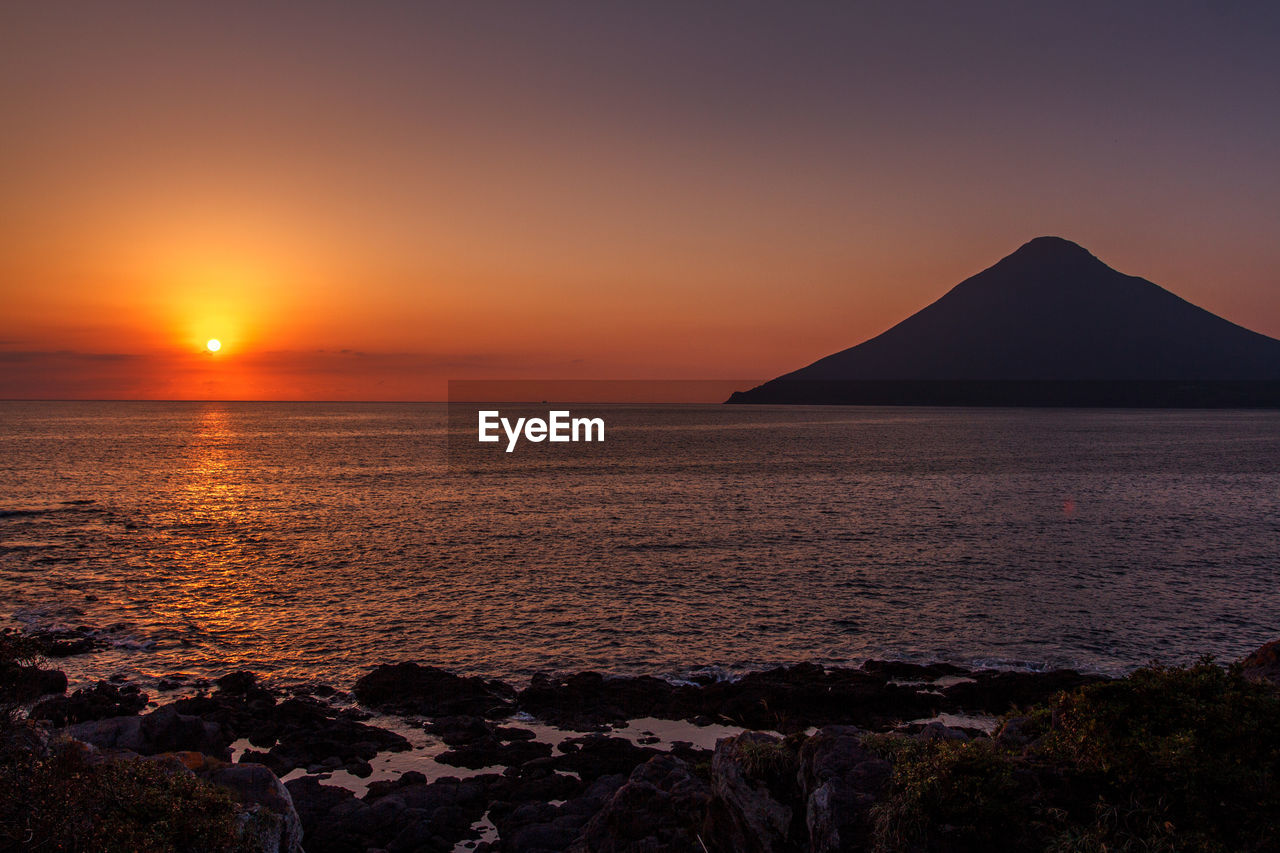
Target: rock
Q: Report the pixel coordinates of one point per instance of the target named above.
(241, 682)
(460, 729)
(405, 815)
(903, 671)
(296, 732)
(535, 780)
(414, 689)
(753, 780)
(95, 703)
(936, 731)
(840, 780)
(531, 826)
(490, 752)
(275, 823)
(21, 684)
(1016, 732)
(1263, 664)
(514, 733)
(68, 642)
(786, 699)
(661, 809)
(588, 701)
(594, 756)
(999, 692)
(163, 730)
(323, 810)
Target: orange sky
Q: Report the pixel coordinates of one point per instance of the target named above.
(364, 202)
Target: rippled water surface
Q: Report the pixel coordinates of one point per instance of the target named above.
(310, 541)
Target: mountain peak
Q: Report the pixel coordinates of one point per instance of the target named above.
(1052, 312)
(1053, 250)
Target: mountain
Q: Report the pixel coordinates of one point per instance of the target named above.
(1048, 325)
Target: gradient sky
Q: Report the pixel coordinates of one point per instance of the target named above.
(362, 200)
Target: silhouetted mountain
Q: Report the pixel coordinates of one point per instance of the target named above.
(1048, 325)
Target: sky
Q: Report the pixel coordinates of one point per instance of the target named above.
(362, 201)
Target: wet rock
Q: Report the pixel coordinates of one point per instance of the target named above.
(163, 730)
(241, 682)
(790, 699)
(295, 732)
(386, 786)
(99, 702)
(490, 752)
(410, 688)
(514, 733)
(903, 671)
(68, 642)
(594, 756)
(662, 808)
(786, 699)
(359, 768)
(460, 729)
(588, 701)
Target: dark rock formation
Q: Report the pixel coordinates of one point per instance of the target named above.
(297, 732)
(271, 818)
(840, 780)
(163, 730)
(408, 815)
(756, 795)
(662, 808)
(410, 688)
(996, 692)
(785, 699)
(535, 827)
(1264, 664)
(92, 703)
(20, 683)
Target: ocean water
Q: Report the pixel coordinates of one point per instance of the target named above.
(311, 541)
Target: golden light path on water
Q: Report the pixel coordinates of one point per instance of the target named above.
(312, 541)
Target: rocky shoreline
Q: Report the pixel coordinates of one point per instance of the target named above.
(799, 761)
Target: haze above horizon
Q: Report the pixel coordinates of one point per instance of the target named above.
(361, 203)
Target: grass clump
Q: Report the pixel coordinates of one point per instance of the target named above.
(1167, 759)
(771, 761)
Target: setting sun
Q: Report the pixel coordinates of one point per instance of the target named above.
(213, 345)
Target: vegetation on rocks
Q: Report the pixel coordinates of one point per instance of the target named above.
(1167, 759)
(62, 799)
(60, 796)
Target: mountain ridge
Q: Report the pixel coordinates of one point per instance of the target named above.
(1050, 312)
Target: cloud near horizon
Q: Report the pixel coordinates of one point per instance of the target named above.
(271, 375)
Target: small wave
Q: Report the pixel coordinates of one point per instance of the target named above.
(67, 619)
(82, 505)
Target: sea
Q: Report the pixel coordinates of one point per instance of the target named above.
(309, 542)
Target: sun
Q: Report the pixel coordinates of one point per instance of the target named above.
(213, 345)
